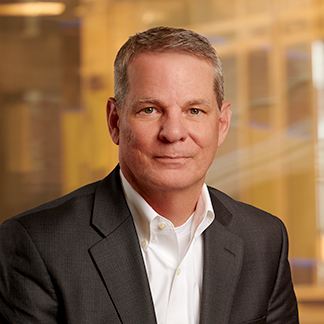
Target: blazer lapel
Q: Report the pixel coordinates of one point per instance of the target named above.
(119, 260)
(118, 256)
(223, 256)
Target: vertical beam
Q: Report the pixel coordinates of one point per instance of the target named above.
(278, 112)
(242, 95)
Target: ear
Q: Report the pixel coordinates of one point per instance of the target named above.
(224, 121)
(113, 120)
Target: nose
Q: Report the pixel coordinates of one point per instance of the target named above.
(173, 127)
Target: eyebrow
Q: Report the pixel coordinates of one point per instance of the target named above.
(138, 102)
(192, 102)
(147, 100)
(199, 102)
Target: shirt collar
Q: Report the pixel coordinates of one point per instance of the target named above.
(143, 214)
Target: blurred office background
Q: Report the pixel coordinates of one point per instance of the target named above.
(56, 73)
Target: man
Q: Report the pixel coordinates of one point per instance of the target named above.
(151, 243)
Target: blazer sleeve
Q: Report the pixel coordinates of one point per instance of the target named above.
(282, 306)
(27, 295)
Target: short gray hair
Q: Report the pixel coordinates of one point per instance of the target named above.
(166, 40)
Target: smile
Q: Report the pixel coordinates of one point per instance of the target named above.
(172, 159)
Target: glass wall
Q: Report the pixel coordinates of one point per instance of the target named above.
(56, 76)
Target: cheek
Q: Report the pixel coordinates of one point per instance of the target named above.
(126, 139)
(206, 137)
(126, 135)
(134, 137)
(208, 147)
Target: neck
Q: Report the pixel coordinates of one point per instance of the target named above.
(176, 206)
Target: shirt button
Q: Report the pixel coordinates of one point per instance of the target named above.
(178, 271)
(162, 226)
(144, 243)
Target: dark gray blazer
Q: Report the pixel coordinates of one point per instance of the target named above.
(78, 260)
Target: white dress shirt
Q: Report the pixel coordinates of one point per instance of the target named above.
(173, 256)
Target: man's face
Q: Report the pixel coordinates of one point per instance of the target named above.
(170, 127)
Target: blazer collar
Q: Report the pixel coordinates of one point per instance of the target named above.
(110, 208)
(223, 257)
(118, 256)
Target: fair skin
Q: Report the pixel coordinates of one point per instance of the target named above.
(168, 130)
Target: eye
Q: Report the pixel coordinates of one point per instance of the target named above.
(149, 110)
(194, 111)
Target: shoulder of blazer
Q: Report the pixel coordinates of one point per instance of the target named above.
(88, 205)
(86, 192)
(235, 214)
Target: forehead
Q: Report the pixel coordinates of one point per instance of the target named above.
(175, 66)
(170, 78)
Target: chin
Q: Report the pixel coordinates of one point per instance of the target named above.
(175, 181)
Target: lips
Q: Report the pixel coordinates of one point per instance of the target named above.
(176, 160)
(176, 157)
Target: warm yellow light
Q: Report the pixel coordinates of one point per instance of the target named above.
(32, 9)
(322, 248)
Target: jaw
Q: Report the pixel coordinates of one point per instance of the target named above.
(164, 176)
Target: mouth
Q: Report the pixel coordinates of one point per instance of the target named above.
(172, 158)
